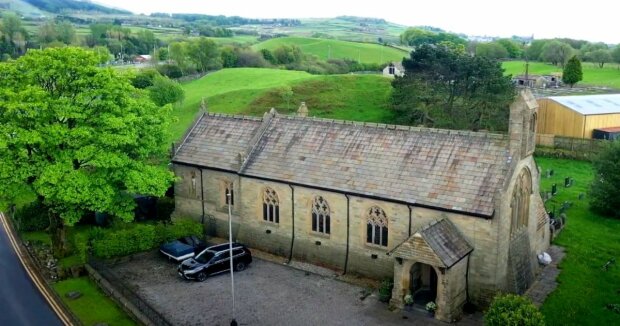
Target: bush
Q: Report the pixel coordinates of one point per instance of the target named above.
(32, 217)
(140, 237)
(513, 310)
(144, 78)
(385, 290)
(170, 71)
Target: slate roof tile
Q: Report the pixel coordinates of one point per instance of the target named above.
(456, 170)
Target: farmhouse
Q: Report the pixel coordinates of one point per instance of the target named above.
(450, 215)
(578, 116)
(394, 69)
(539, 81)
(142, 58)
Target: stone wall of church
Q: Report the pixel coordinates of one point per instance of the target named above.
(372, 260)
(519, 248)
(488, 266)
(485, 259)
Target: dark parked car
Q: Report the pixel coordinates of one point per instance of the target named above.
(182, 248)
(214, 260)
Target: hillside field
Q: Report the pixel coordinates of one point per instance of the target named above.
(335, 49)
(592, 75)
(254, 91)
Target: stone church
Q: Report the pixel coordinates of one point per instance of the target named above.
(451, 216)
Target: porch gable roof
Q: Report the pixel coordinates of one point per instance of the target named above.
(437, 244)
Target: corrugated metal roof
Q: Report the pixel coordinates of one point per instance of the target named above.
(590, 104)
(610, 129)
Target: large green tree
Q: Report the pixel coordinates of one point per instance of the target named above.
(572, 73)
(605, 193)
(416, 36)
(205, 54)
(445, 87)
(79, 137)
(557, 52)
(615, 55)
(491, 50)
(600, 57)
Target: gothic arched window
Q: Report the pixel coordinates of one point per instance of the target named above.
(271, 206)
(320, 215)
(520, 203)
(376, 227)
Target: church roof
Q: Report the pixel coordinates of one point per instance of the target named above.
(447, 169)
(437, 244)
(216, 140)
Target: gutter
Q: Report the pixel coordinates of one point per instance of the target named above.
(290, 255)
(346, 256)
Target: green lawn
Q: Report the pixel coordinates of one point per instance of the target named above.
(335, 49)
(592, 74)
(93, 306)
(590, 241)
(254, 91)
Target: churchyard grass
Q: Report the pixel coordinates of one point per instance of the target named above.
(586, 288)
(93, 306)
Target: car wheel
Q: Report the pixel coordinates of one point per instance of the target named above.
(202, 276)
(240, 266)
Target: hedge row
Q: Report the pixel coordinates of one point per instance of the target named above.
(108, 243)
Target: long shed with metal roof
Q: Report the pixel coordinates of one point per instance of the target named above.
(577, 116)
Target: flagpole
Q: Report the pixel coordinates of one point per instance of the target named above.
(233, 322)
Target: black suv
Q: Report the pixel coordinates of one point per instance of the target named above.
(215, 260)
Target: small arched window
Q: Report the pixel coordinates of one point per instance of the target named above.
(271, 206)
(376, 227)
(533, 122)
(320, 215)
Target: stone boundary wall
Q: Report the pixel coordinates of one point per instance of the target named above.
(129, 301)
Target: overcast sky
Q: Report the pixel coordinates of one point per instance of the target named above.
(593, 20)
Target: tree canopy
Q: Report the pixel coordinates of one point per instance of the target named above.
(416, 36)
(605, 194)
(79, 137)
(572, 73)
(444, 87)
(556, 52)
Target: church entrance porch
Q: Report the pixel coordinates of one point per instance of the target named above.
(432, 266)
(423, 284)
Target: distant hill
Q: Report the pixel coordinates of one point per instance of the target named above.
(336, 49)
(61, 6)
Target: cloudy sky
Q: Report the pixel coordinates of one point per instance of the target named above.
(593, 20)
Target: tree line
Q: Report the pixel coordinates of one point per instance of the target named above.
(555, 51)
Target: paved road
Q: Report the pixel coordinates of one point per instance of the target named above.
(21, 303)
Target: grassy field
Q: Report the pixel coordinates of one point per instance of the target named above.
(93, 306)
(335, 49)
(592, 74)
(253, 91)
(590, 241)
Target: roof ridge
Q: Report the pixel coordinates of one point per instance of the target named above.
(252, 144)
(377, 125)
(233, 116)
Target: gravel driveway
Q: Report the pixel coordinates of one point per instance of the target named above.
(266, 294)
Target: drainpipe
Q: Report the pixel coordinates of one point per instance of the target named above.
(408, 206)
(202, 198)
(467, 279)
(346, 259)
(290, 255)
